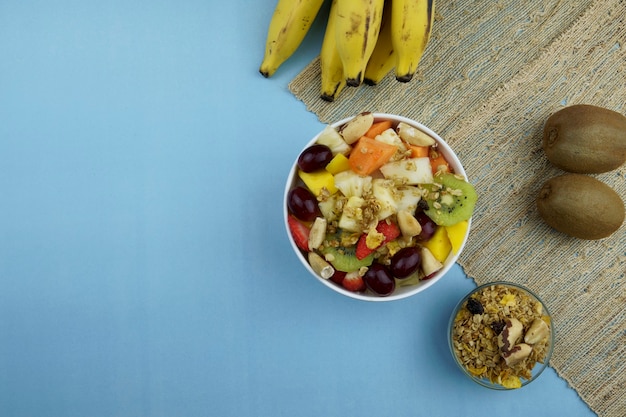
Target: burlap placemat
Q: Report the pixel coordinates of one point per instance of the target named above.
(492, 74)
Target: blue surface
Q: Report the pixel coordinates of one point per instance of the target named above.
(144, 267)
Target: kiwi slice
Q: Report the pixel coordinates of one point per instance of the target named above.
(450, 199)
(344, 258)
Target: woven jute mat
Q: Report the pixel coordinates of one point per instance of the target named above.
(492, 74)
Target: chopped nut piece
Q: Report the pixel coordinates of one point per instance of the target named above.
(414, 136)
(510, 335)
(357, 127)
(320, 266)
(517, 354)
(537, 332)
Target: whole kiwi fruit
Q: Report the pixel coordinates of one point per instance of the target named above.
(585, 139)
(580, 206)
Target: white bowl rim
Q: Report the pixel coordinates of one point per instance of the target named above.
(407, 291)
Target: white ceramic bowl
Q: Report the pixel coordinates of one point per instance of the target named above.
(400, 291)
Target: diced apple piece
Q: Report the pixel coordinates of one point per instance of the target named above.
(408, 197)
(318, 180)
(439, 244)
(352, 184)
(384, 192)
(331, 138)
(411, 171)
(430, 264)
(352, 215)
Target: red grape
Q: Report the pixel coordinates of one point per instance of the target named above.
(428, 226)
(379, 280)
(303, 204)
(314, 158)
(405, 262)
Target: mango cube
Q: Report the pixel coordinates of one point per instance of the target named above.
(456, 234)
(338, 164)
(439, 244)
(318, 180)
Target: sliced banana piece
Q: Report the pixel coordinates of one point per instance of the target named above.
(409, 225)
(318, 233)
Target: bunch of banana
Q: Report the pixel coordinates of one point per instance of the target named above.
(363, 42)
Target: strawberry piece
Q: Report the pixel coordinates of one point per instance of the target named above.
(390, 230)
(362, 251)
(338, 277)
(353, 282)
(430, 276)
(299, 232)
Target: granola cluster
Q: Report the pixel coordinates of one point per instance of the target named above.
(500, 334)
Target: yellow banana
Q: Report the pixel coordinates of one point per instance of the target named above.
(383, 58)
(290, 23)
(331, 67)
(411, 24)
(357, 27)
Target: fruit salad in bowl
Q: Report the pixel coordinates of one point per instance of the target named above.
(378, 207)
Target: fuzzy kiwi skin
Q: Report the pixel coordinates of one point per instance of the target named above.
(585, 139)
(580, 206)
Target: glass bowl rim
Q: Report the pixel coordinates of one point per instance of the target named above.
(539, 367)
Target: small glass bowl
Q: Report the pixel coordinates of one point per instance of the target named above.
(478, 374)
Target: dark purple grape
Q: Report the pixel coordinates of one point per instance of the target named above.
(405, 262)
(303, 204)
(314, 158)
(428, 226)
(379, 280)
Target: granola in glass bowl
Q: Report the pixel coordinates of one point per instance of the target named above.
(501, 335)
